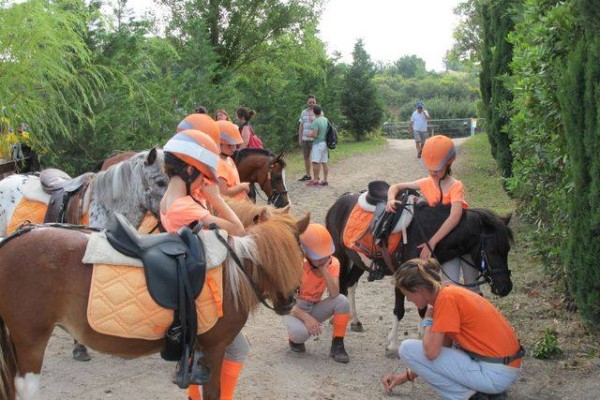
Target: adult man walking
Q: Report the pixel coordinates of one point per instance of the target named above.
(304, 130)
(319, 154)
(418, 127)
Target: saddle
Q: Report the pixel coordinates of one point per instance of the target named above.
(175, 269)
(66, 195)
(384, 223)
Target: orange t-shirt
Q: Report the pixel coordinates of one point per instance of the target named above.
(313, 286)
(474, 323)
(228, 171)
(183, 212)
(431, 192)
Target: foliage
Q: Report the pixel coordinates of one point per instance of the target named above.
(446, 95)
(547, 346)
(467, 36)
(541, 167)
(497, 22)
(579, 99)
(360, 103)
(47, 76)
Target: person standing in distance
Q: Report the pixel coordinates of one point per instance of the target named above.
(304, 139)
(418, 126)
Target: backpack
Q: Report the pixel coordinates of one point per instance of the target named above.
(254, 142)
(331, 136)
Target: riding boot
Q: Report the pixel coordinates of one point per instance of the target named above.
(338, 352)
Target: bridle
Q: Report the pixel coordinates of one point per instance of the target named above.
(275, 194)
(284, 309)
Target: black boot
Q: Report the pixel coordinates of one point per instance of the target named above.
(297, 347)
(338, 352)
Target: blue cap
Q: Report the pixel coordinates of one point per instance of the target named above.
(419, 104)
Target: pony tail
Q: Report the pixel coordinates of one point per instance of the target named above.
(8, 364)
(251, 114)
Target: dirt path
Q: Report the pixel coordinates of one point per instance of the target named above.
(272, 371)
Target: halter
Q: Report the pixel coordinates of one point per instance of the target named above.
(285, 308)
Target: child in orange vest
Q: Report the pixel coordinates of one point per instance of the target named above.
(229, 179)
(440, 187)
(321, 271)
(191, 162)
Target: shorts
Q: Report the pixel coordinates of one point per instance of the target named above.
(320, 153)
(420, 136)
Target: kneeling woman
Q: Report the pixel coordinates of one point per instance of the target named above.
(468, 348)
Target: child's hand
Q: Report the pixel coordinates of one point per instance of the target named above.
(245, 186)
(312, 325)
(391, 206)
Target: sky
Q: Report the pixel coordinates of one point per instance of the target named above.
(390, 29)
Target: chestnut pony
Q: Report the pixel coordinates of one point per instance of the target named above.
(43, 283)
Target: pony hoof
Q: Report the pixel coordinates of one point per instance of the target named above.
(392, 353)
(80, 353)
(357, 327)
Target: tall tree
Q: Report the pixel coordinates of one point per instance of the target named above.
(497, 20)
(360, 103)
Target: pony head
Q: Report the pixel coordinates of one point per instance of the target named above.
(491, 256)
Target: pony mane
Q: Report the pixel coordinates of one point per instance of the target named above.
(494, 221)
(250, 213)
(119, 181)
(243, 153)
(272, 246)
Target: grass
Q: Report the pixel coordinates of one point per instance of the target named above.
(483, 184)
(345, 149)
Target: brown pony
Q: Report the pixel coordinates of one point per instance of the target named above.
(43, 283)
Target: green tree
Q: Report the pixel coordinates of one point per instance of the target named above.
(497, 22)
(47, 75)
(360, 103)
(410, 66)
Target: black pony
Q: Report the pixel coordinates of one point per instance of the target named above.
(481, 233)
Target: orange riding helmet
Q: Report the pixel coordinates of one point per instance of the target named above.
(230, 134)
(316, 241)
(196, 149)
(438, 152)
(203, 123)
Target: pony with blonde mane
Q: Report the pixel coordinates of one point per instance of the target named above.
(43, 283)
(251, 214)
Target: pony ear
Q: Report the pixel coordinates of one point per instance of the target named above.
(151, 156)
(285, 210)
(303, 223)
(281, 155)
(264, 215)
(506, 218)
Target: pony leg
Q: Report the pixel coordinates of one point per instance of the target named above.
(29, 348)
(355, 324)
(391, 350)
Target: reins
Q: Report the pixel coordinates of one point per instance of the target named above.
(238, 262)
(484, 261)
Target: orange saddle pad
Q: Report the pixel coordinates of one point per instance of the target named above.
(120, 304)
(358, 237)
(27, 210)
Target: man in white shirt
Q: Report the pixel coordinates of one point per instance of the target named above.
(418, 126)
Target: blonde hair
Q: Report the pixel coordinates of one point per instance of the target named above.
(418, 273)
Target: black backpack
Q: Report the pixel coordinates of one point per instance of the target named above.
(331, 136)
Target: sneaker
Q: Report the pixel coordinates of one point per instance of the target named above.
(297, 347)
(323, 183)
(419, 154)
(304, 178)
(312, 183)
(338, 352)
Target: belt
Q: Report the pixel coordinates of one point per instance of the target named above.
(497, 360)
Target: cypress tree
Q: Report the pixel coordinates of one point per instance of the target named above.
(579, 95)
